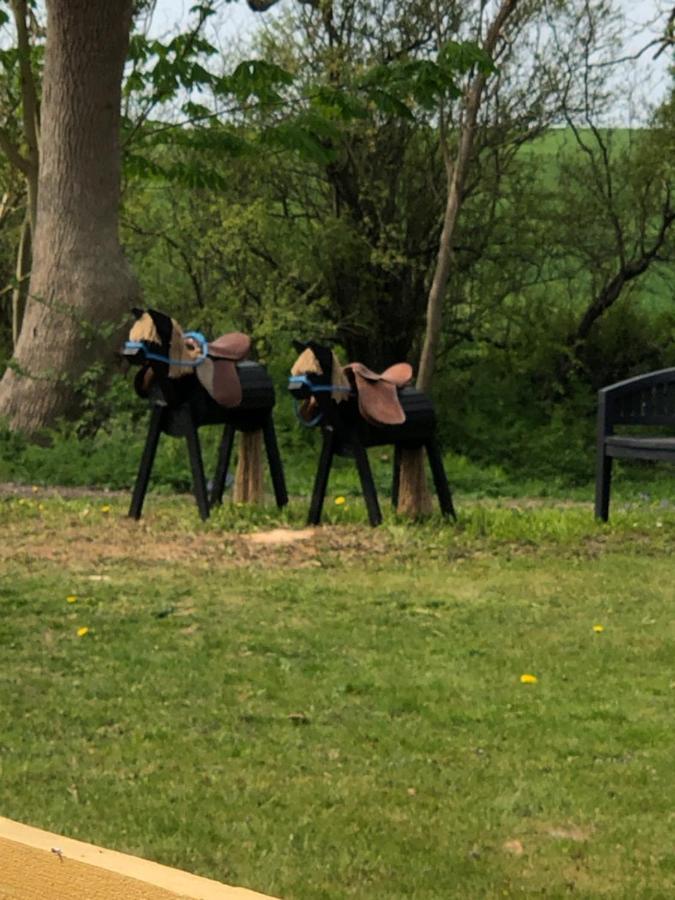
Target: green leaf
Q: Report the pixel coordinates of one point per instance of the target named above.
(296, 137)
(388, 103)
(337, 103)
(257, 78)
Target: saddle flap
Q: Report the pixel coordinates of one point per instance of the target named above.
(233, 346)
(221, 380)
(399, 374)
(378, 401)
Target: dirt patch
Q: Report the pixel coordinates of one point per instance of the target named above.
(570, 833)
(11, 489)
(280, 536)
(91, 542)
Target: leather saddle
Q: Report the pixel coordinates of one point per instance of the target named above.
(218, 371)
(378, 392)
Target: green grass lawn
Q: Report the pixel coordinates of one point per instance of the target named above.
(344, 716)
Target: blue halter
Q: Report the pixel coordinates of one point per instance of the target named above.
(188, 363)
(314, 389)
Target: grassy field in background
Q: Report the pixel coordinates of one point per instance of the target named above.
(343, 715)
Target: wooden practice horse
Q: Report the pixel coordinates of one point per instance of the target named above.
(190, 382)
(357, 408)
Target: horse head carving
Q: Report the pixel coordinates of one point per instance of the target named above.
(163, 350)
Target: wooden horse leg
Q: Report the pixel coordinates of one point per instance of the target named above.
(196, 464)
(224, 456)
(321, 479)
(440, 479)
(274, 462)
(396, 478)
(367, 483)
(148, 458)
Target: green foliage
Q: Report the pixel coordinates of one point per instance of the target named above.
(423, 82)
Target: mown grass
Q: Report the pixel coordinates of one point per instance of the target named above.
(344, 716)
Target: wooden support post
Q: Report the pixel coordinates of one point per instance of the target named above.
(196, 464)
(396, 476)
(274, 462)
(148, 458)
(440, 480)
(224, 456)
(321, 480)
(367, 483)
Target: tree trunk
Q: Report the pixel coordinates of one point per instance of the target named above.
(456, 175)
(414, 496)
(416, 500)
(80, 285)
(248, 480)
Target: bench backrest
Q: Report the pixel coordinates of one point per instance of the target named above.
(646, 400)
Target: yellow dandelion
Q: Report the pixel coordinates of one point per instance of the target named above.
(340, 501)
(528, 679)
(105, 509)
(598, 628)
(71, 598)
(82, 631)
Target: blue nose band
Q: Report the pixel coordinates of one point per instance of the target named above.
(317, 388)
(188, 363)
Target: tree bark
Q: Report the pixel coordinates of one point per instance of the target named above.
(80, 283)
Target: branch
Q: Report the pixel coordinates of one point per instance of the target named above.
(13, 153)
(628, 271)
(28, 92)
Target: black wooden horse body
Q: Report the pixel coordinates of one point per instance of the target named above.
(171, 380)
(356, 409)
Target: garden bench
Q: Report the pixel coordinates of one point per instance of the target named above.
(642, 401)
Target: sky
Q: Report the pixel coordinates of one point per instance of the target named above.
(235, 20)
(238, 18)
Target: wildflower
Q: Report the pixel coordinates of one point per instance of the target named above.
(598, 628)
(105, 509)
(340, 501)
(71, 598)
(528, 679)
(82, 631)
